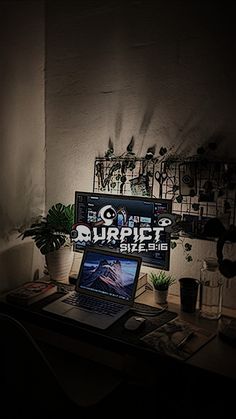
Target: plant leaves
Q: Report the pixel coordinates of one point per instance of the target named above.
(173, 244)
(53, 231)
(61, 217)
(161, 281)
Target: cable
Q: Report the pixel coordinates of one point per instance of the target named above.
(148, 313)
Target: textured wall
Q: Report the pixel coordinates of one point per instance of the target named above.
(22, 156)
(163, 74)
(160, 71)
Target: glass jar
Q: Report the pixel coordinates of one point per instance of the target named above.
(211, 288)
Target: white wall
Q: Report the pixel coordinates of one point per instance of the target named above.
(163, 74)
(22, 135)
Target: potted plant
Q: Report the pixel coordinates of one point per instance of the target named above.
(51, 234)
(161, 282)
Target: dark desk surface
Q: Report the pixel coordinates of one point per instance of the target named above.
(217, 356)
(121, 349)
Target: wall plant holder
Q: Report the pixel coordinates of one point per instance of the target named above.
(124, 175)
(200, 189)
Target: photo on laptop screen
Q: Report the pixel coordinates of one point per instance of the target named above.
(107, 274)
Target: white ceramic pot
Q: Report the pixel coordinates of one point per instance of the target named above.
(160, 297)
(59, 263)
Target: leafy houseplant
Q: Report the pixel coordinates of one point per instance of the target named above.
(161, 283)
(51, 233)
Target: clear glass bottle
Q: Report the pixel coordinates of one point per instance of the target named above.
(211, 288)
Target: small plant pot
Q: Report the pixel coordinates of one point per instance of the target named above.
(160, 296)
(59, 264)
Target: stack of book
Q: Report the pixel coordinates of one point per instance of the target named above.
(141, 286)
(30, 292)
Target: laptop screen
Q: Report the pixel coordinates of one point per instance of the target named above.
(109, 275)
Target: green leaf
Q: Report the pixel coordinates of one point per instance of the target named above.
(53, 231)
(161, 281)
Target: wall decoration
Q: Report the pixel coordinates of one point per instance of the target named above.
(201, 190)
(124, 175)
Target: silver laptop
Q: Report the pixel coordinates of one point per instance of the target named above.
(105, 289)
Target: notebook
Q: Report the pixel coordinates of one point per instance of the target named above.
(105, 289)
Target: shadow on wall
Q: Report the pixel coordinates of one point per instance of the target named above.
(16, 266)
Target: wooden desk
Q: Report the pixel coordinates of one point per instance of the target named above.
(203, 386)
(217, 356)
(117, 350)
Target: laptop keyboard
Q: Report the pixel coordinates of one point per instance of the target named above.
(94, 304)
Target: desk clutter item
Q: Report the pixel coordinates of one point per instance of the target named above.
(134, 323)
(178, 338)
(211, 289)
(160, 315)
(154, 318)
(30, 292)
(188, 294)
(141, 285)
(65, 288)
(144, 309)
(227, 329)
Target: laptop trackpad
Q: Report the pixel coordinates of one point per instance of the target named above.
(90, 318)
(80, 315)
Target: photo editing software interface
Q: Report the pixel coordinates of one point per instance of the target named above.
(126, 224)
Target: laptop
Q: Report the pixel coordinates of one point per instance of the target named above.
(105, 289)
